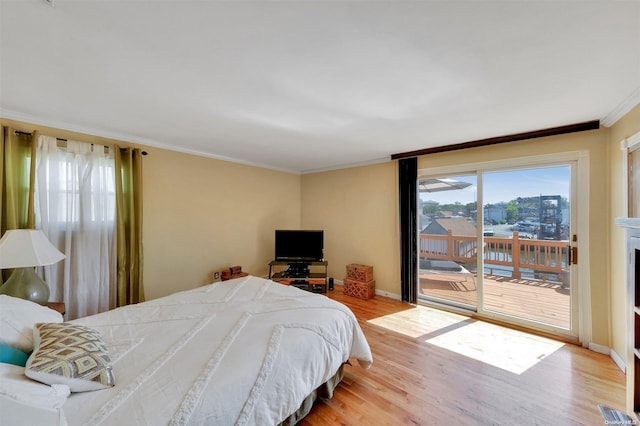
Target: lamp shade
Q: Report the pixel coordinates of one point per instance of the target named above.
(21, 248)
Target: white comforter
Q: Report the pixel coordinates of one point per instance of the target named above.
(245, 351)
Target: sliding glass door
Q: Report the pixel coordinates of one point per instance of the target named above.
(497, 242)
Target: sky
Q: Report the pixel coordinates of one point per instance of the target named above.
(508, 185)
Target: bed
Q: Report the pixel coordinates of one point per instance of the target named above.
(244, 351)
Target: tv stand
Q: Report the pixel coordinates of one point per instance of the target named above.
(307, 275)
(297, 270)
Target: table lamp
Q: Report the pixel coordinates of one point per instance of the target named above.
(24, 249)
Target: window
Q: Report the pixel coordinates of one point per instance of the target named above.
(75, 208)
(79, 188)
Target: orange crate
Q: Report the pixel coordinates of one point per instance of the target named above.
(359, 289)
(358, 272)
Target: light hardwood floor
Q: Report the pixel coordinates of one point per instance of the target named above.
(436, 368)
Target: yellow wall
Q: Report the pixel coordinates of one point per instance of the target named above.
(202, 215)
(625, 127)
(358, 210)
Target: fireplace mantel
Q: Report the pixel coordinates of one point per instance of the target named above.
(628, 222)
(631, 226)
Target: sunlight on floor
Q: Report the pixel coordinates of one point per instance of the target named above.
(500, 347)
(511, 350)
(419, 321)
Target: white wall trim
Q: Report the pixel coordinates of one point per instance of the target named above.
(619, 361)
(601, 349)
(132, 139)
(10, 115)
(627, 146)
(585, 327)
(633, 142)
(379, 292)
(347, 165)
(513, 163)
(389, 295)
(622, 109)
(612, 353)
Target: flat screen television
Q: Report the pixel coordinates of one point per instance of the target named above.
(299, 245)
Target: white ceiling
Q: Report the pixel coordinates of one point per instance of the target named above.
(308, 86)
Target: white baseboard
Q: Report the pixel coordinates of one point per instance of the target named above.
(619, 361)
(387, 294)
(601, 349)
(378, 292)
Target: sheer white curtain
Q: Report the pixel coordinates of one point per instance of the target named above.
(75, 208)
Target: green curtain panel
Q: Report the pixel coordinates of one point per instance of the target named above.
(17, 181)
(129, 226)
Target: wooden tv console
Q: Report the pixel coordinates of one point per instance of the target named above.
(307, 275)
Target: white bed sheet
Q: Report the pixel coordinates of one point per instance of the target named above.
(244, 351)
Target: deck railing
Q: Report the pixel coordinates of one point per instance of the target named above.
(541, 256)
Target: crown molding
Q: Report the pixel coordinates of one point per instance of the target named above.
(622, 109)
(347, 165)
(10, 115)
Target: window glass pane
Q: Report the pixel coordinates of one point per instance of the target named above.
(526, 235)
(448, 239)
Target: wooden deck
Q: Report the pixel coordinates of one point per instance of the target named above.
(537, 300)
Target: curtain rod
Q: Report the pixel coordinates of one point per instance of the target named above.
(554, 131)
(18, 132)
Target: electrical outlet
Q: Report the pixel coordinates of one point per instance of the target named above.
(216, 275)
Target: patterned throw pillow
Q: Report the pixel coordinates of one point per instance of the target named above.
(69, 354)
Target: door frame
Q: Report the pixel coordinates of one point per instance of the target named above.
(580, 274)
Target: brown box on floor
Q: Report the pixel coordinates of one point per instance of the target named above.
(361, 290)
(357, 272)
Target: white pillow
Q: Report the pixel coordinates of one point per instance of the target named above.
(70, 354)
(17, 318)
(16, 386)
